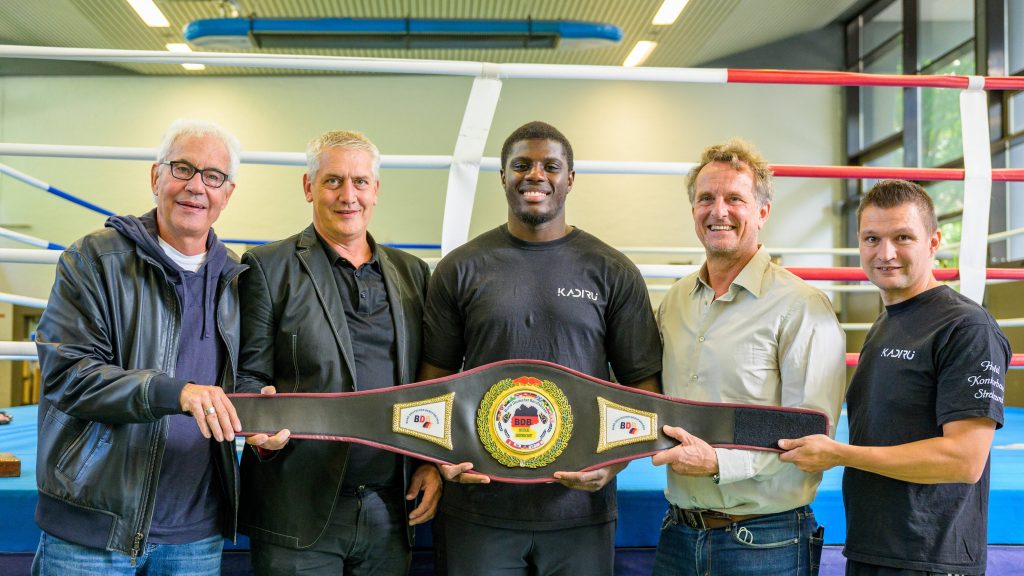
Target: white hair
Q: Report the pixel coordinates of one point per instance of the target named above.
(202, 128)
(344, 139)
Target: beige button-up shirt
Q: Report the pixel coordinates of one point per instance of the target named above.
(771, 339)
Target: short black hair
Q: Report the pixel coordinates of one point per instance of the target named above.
(893, 193)
(536, 130)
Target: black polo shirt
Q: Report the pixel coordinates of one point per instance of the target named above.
(371, 330)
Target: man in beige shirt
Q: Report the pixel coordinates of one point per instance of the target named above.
(742, 330)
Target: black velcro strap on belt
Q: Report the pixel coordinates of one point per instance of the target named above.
(520, 420)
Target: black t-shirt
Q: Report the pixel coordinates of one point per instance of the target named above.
(574, 301)
(930, 360)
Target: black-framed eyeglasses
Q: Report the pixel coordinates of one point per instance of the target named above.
(184, 171)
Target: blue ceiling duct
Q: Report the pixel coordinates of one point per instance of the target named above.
(400, 33)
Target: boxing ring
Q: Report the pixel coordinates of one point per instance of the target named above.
(641, 499)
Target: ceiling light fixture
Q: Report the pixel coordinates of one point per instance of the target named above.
(180, 47)
(149, 13)
(668, 12)
(640, 53)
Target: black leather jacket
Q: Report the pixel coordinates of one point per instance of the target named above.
(295, 337)
(107, 349)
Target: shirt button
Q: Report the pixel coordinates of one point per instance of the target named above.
(693, 377)
(362, 294)
(701, 339)
(693, 498)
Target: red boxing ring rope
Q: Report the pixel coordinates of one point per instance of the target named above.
(793, 170)
(826, 78)
(851, 274)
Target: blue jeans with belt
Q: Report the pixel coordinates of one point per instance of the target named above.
(786, 543)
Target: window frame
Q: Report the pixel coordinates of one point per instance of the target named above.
(989, 45)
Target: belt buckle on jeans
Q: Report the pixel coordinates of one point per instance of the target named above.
(694, 519)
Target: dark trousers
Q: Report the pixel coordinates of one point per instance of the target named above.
(365, 537)
(473, 550)
(854, 568)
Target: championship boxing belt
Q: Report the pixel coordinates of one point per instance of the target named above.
(520, 420)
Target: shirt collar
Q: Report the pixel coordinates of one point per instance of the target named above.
(333, 257)
(750, 278)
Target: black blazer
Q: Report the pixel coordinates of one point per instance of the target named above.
(295, 337)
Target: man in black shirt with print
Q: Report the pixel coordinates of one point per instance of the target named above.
(924, 403)
(536, 288)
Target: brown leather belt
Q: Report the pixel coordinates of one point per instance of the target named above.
(707, 519)
(520, 420)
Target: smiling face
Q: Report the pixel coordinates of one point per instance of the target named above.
(343, 193)
(186, 209)
(725, 212)
(897, 251)
(537, 179)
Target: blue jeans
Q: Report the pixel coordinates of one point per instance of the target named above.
(56, 557)
(783, 543)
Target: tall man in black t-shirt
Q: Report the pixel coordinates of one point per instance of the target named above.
(330, 310)
(536, 288)
(924, 403)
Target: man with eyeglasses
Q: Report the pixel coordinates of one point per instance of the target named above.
(136, 464)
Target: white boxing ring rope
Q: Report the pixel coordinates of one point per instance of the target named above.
(467, 160)
(440, 162)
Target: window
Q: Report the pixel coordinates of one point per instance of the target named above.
(921, 126)
(1017, 112)
(878, 29)
(881, 111)
(948, 196)
(1015, 206)
(893, 159)
(1014, 36)
(942, 26)
(940, 114)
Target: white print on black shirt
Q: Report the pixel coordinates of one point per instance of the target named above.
(578, 293)
(987, 381)
(897, 353)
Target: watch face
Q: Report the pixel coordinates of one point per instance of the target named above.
(524, 422)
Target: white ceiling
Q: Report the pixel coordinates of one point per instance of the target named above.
(707, 30)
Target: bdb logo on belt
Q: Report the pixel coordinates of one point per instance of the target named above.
(524, 422)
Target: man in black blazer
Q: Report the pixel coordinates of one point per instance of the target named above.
(330, 310)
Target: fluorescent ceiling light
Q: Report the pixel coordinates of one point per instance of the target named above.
(668, 12)
(149, 13)
(179, 47)
(640, 53)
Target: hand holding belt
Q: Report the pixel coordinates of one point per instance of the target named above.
(520, 420)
